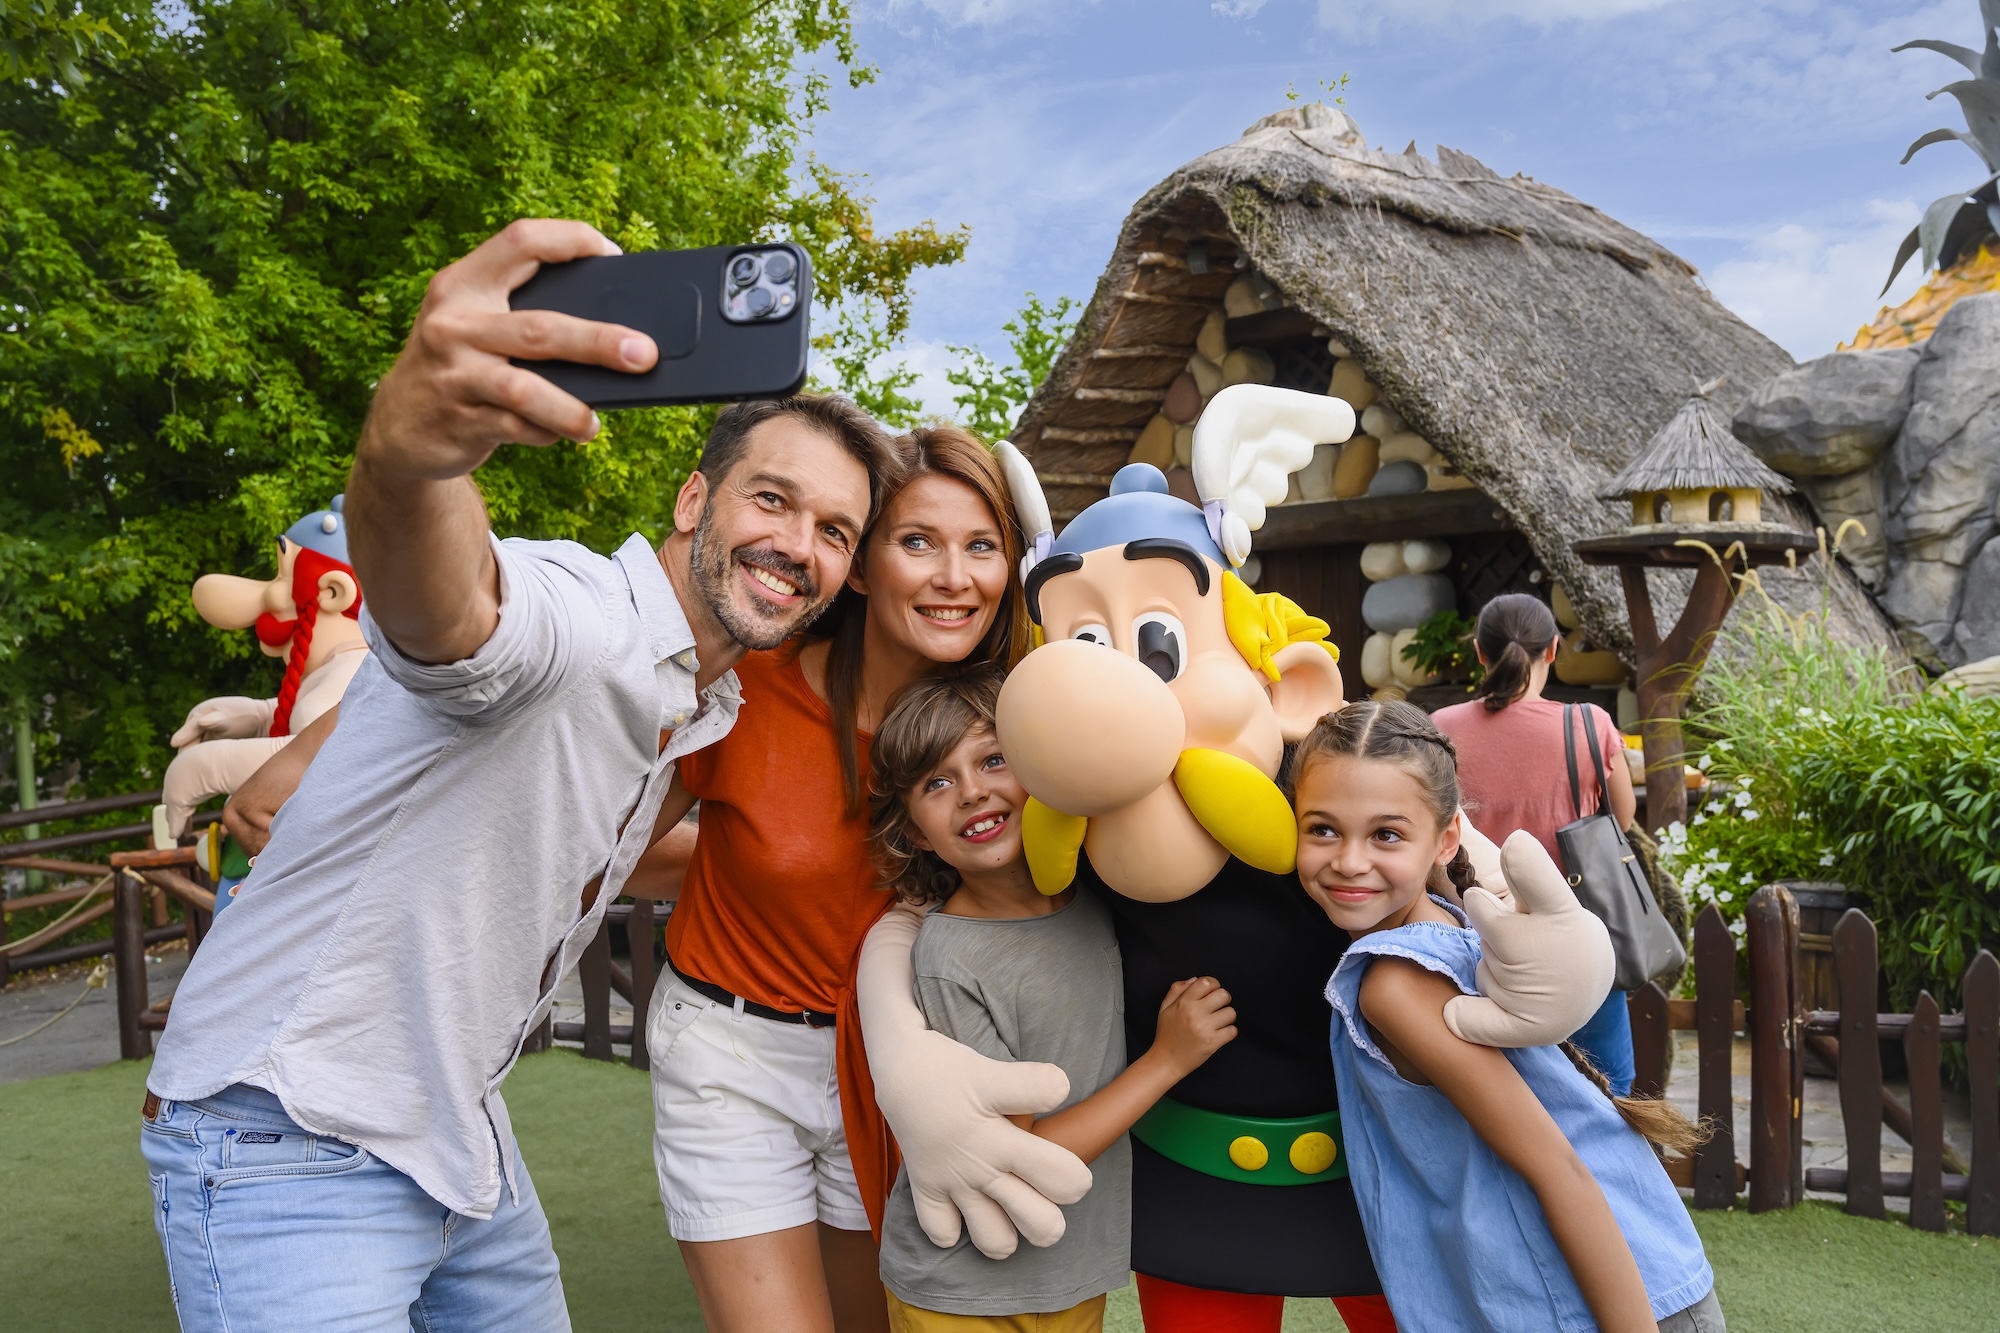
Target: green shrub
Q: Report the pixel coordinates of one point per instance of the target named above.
(1755, 827)
(1908, 800)
(1830, 765)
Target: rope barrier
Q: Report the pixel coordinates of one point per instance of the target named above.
(95, 981)
(55, 927)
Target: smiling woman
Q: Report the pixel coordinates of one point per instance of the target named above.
(770, 1149)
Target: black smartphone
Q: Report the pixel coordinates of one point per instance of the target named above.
(730, 321)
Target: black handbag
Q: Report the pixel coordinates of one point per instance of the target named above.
(1606, 876)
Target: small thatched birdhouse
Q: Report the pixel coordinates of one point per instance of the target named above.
(1695, 473)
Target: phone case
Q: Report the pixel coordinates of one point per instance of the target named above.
(677, 297)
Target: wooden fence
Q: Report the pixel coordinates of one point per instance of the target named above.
(1783, 1032)
(41, 854)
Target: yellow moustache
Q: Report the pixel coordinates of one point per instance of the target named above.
(1233, 802)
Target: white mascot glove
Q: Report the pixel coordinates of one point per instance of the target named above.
(947, 1105)
(1545, 963)
(229, 717)
(211, 768)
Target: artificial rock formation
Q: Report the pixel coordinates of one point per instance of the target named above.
(1905, 442)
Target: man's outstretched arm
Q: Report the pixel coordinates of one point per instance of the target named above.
(416, 526)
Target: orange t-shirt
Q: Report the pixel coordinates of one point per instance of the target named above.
(781, 889)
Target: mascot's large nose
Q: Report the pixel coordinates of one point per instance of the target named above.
(1087, 729)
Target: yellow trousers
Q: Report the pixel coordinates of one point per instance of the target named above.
(1085, 1318)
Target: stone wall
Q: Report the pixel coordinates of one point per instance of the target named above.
(1905, 442)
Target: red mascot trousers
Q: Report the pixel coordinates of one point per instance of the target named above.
(1169, 1307)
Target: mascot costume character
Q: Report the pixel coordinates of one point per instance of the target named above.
(308, 614)
(1149, 728)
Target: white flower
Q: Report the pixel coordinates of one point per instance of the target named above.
(1700, 817)
(1826, 858)
(1706, 760)
(1742, 800)
(1749, 814)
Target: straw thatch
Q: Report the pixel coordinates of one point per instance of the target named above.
(1533, 340)
(1694, 451)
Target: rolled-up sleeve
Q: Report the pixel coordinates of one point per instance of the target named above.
(553, 625)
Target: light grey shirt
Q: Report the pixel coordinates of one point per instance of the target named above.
(420, 896)
(1031, 988)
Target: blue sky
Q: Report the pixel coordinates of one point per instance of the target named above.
(1757, 138)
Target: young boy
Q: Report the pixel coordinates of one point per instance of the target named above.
(1015, 976)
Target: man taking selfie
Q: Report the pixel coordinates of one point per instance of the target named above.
(324, 1132)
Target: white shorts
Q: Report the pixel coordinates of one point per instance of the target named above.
(747, 1133)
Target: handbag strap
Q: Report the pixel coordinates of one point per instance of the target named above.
(1597, 755)
(1569, 753)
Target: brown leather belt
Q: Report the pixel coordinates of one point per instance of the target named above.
(150, 1108)
(811, 1018)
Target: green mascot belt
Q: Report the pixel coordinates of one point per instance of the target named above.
(1256, 1150)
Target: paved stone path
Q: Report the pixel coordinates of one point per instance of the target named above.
(89, 1036)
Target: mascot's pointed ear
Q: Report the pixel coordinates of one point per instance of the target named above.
(1307, 689)
(338, 592)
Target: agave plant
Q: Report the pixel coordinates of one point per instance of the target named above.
(1958, 224)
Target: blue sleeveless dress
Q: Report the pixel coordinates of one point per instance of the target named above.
(1459, 1238)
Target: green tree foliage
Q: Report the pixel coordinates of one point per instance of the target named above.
(212, 245)
(994, 395)
(48, 37)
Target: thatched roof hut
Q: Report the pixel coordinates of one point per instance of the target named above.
(1525, 340)
(1697, 449)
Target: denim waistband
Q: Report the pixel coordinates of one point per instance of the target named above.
(241, 1101)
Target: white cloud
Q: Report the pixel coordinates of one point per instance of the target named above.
(930, 360)
(1237, 9)
(1808, 288)
(979, 13)
(1366, 17)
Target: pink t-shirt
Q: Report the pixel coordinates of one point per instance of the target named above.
(1511, 767)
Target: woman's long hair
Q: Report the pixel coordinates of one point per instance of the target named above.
(929, 451)
(1513, 633)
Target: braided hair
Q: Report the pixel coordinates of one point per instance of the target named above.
(1401, 734)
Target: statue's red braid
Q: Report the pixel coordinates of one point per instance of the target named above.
(308, 567)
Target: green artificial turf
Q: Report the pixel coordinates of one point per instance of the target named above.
(77, 1249)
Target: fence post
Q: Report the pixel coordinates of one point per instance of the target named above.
(639, 935)
(128, 948)
(1982, 1058)
(1795, 1175)
(1715, 1035)
(1652, 1040)
(1854, 966)
(1920, 1048)
(1774, 1049)
(593, 972)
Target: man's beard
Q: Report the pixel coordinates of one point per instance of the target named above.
(766, 626)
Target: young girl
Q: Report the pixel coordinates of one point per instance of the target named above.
(1500, 1189)
(1015, 976)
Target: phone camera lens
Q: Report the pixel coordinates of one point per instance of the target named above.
(743, 270)
(778, 266)
(758, 301)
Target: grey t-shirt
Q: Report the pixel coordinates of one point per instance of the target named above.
(1044, 988)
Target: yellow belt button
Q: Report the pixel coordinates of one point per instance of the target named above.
(1249, 1153)
(1312, 1153)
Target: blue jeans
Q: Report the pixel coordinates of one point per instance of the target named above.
(1607, 1039)
(268, 1227)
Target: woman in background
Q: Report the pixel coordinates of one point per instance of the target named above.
(1514, 773)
